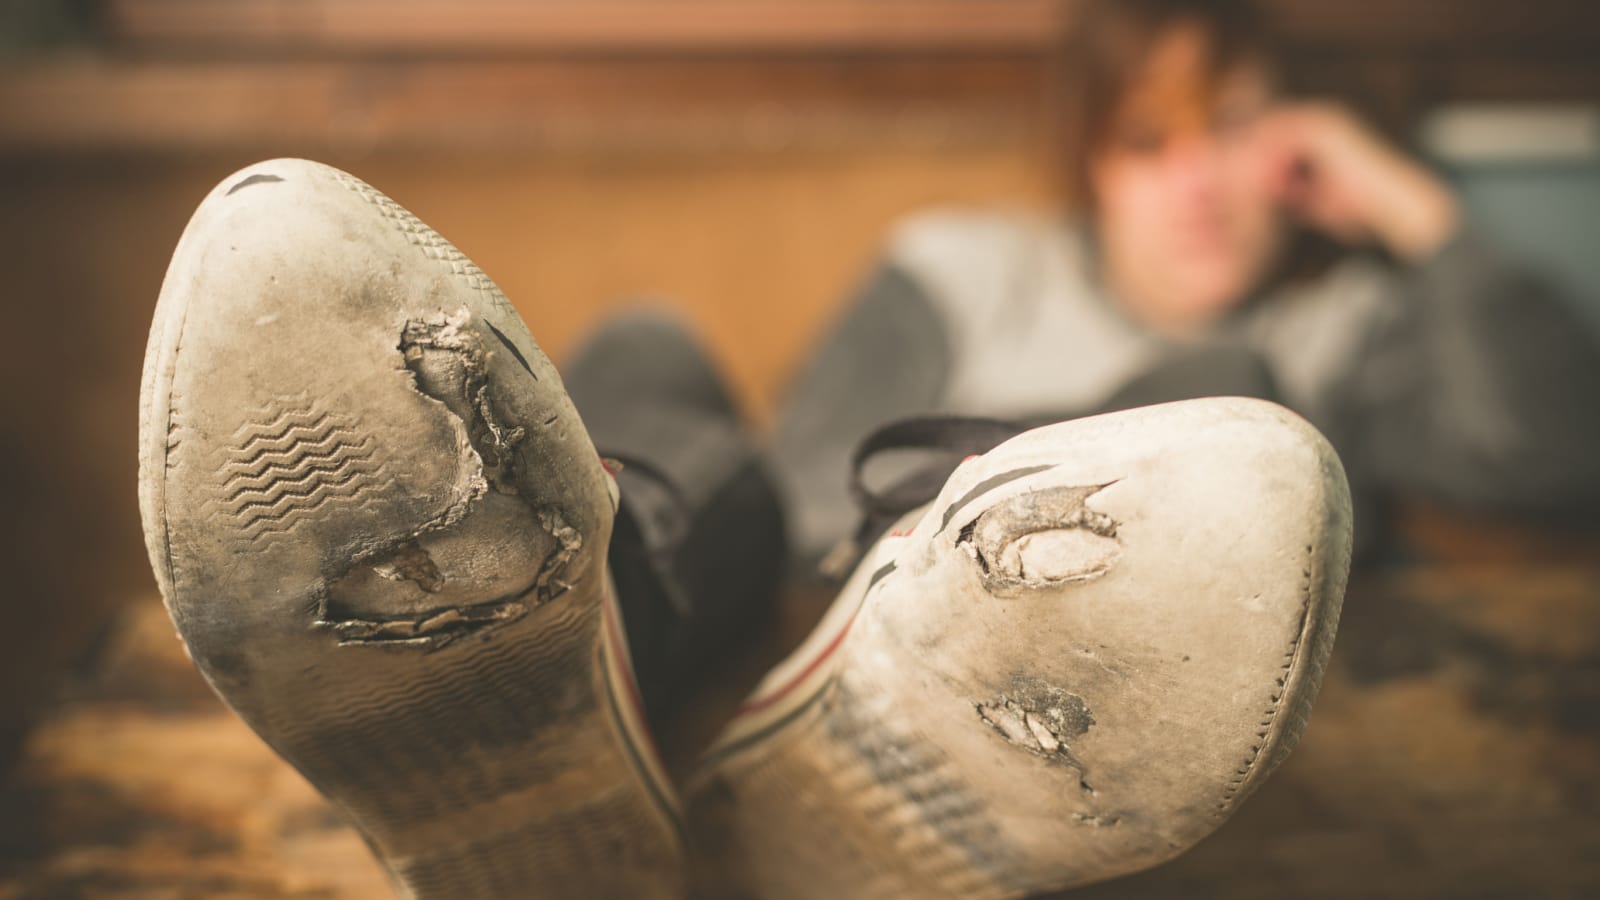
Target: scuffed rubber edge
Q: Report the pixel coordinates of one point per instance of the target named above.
(627, 713)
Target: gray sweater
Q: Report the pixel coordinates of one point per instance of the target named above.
(1465, 379)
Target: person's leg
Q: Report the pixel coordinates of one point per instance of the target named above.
(698, 548)
(1225, 371)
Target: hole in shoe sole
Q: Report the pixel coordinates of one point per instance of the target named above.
(1043, 537)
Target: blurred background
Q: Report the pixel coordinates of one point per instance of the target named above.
(740, 160)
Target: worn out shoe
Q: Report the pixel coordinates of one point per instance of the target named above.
(1074, 664)
(381, 531)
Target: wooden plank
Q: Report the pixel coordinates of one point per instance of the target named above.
(579, 26)
(498, 105)
(318, 76)
(640, 104)
(592, 25)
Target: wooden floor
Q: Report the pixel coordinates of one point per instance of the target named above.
(1455, 752)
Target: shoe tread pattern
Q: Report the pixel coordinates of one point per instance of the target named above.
(288, 460)
(430, 242)
(488, 771)
(871, 810)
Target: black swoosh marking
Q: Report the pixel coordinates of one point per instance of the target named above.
(985, 486)
(512, 347)
(259, 178)
(882, 573)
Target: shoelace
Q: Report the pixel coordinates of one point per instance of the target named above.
(948, 440)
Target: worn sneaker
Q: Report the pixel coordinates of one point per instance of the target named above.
(381, 531)
(1074, 664)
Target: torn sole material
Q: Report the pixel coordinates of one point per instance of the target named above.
(380, 529)
(1074, 664)
(1042, 719)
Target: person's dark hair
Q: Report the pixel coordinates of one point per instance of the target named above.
(1111, 40)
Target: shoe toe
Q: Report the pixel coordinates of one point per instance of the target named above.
(380, 528)
(1127, 638)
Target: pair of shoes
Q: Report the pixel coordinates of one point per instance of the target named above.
(380, 528)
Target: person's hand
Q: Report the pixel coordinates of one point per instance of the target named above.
(1336, 174)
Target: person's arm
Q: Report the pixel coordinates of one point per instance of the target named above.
(1481, 383)
(887, 358)
(1484, 388)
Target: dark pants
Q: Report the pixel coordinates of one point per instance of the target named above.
(698, 548)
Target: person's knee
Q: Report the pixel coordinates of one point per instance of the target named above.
(1225, 371)
(650, 355)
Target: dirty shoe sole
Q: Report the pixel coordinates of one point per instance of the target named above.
(1074, 664)
(381, 531)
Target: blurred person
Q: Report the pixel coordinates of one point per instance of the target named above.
(1203, 263)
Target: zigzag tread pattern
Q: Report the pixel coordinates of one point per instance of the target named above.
(288, 461)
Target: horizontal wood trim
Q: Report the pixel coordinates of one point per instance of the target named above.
(659, 75)
(588, 25)
(652, 104)
(616, 105)
(577, 26)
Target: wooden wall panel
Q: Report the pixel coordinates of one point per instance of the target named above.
(566, 26)
(456, 26)
(627, 104)
(698, 75)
